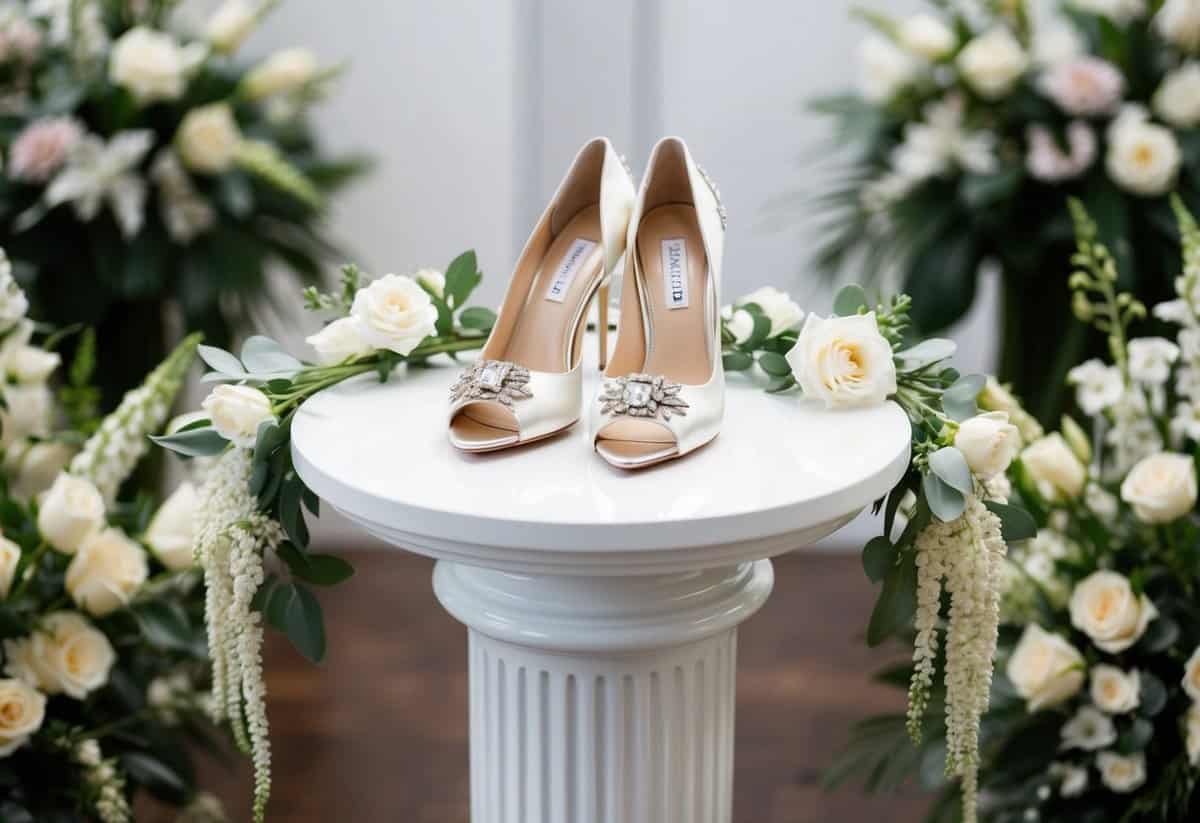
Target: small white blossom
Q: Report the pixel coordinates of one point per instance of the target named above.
(1090, 730)
(1097, 385)
(1151, 358)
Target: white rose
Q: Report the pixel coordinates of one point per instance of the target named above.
(1161, 487)
(38, 466)
(171, 530)
(1115, 691)
(151, 64)
(995, 397)
(1178, 21)
(230, 25)
(1193, 734)
(65, 655)
(1177, 100)
(843, 361)
(432, 279)
(283, 72)
(927, 36)
(22, 710)
(1054, 467)
(338, 341)
(989, 443)
(1105, 608)
(29, 413)
(394, 313)
(1045, 669)
(992, 63)
(29, 364)
(1191, 676)
(71, 512)
(106, 571)
(884, 68)
(236, 412)
(208, 138)
(1089, 729)
(10, 556)
(1122, 773)
(1142, 157)
(777, 306)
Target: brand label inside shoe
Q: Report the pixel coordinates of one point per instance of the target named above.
(564, 275)
(675, 272)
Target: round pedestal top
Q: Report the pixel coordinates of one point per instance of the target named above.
(783, 473)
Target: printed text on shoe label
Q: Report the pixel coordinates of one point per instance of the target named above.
(675, 272)
(564, 275)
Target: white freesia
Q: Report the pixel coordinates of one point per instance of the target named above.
(1105, 608)
(208, 138)
(1114, 690)
(989, 443)
(1083, 86)
(281, 73)
(1097, 385)
(1143, 157)
(1120, 11)
(1178, 21)
(22, 710)
(1046, 159)
(106, 572)
(231, 24)
(1177, 100)
(885, 69)
(237, 411)
(72, 510)
(65, 655)
(1056, 469)
(394, 313)
(10, 556)
(777, 306)
(1151, 358)
(843, 361)
(1045, 669)
(1121, 773)
(171, 532)
(35, 468)
(1161, 488)
(927, 36)
(992, 63)
(431, 279)
(30, 364)
(151, 64)
(99, 171)
(1089, 729)
(1191, 676)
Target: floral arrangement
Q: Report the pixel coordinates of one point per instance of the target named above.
(251, 505)
(1096, 715)
(973, 124)
(103, 668)
(141, 167)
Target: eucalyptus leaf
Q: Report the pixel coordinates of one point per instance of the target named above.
(949, 464)
(775, 365)
(946, 502)
(478, 318)
(261, 355)
(204, 442)
(737, 360)
(850, 300)
(959, 401)
(220, 360)
(926, 353)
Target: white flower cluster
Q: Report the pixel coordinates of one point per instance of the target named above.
(232, 535)
(105, 782)
(965, 556)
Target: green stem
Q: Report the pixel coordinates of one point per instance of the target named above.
(30, 570)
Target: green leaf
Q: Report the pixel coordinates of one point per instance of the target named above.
(941, 279)
(775, 365)
(878, 556)
(979, 191)
(262, 355)
(1153, 695)
(760, 329)
(305, 623)
(849, 300)
(164, 624)
(949, 464)
(154, 774)
(737, 360)
(290, 516)
(323, 570)
(1161, 634)
(897, 601)
(478, 317)
(945, 502)
(269, 438)
(959, 401)
(926, 353)
(1137, 736)
(462, 276)
(221, 361)
(204, 442)
(1015, 523)
(778, 385)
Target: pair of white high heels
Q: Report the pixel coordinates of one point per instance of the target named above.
(663, 392)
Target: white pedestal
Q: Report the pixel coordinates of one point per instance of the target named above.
(602, 606)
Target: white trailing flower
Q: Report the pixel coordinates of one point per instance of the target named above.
(1114, 690)
(1045, 669)
(843, 362)
(1161, 488)
(992, 63)
(777, 306)
(885, 69)
(106, 781)
(1084, 86)
(1122, 774)
(110, 455)
(99, 171)
(1177, 100)
(1048, 162)
(1106, 609)
(1090, 730)
(1097, 385)
(1178, 21)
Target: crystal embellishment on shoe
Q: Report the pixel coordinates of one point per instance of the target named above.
(496, 380)
(643, 395)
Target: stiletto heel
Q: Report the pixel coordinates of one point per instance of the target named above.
(527, 383)
(602, 323)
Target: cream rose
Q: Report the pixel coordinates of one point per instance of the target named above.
(230, 25)
(1143, 157)
(72, 511)
(1115, 691)
(992, 63)
(1105, 608)
(38, 466)
(394, 313)
(208, 138)
(1161, 487)
(338, 341)
(22, 710)
(1177, 100)
(283, 72)
(1054, 467)
(1088, 729)
(150, 64)
(10, 556)
(927, 36)
(989, 443)
(1178, 21)
(105, 572)
(171, 530)
(236, 412)
(777, 306)
(65, 655)
(843, 361)
(884, 68)
(1045, 669)
(1192, 739)
(996, 397)
(1191, 676)
(1122, 773)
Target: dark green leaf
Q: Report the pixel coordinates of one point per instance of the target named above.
(941, 279)
(154, 774)
(780, 384)
(897, 601)
(775, 365)
(462, 276)
(305, 623)
(290, 515)
(878, 556)
(1153, 695)
(165, 624)
(1161, 634)
(323, 569)
(979, 191)
(193, 442)
(1137, 736)
(737, 360)
(1015, 523)
(478, 317)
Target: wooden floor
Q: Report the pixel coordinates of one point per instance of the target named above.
(379, 733)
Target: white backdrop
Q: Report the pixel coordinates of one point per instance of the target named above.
(473, 109)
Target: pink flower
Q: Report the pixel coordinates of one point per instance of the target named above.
(1084, 86)
(42, 148)
(1048, 162)
(20, 40)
